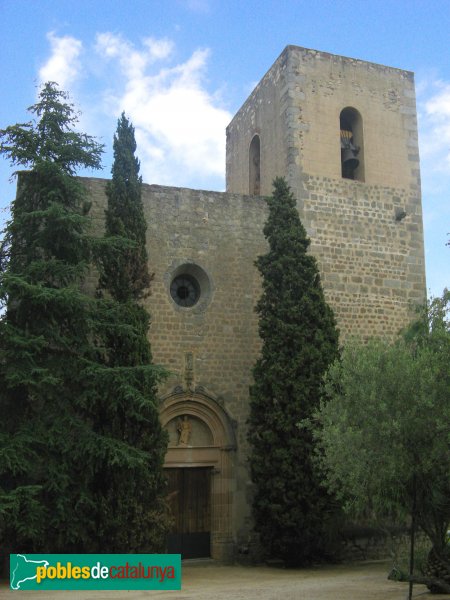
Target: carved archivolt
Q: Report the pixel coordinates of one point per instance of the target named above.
(190, 408)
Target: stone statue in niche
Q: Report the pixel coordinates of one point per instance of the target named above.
(194, 433)
(184, 430)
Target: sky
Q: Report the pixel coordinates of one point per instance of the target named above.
(180, 69)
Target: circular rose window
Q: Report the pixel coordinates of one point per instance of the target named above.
(188, 286)
(185, 290)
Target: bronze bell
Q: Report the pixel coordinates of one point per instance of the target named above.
(349, 160)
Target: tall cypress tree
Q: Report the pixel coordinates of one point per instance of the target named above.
(131, 494)
(125, 266)
(299, 341)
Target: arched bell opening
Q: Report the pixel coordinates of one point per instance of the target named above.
(255, 166)
(352, 146)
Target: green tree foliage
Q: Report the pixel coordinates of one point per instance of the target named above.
(131, 496)
(384, 428)
(299, 341)
(45, 331)
(124, 264)
(72, 430)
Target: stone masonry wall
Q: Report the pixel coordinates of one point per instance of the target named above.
(221, 233)
(372, 265)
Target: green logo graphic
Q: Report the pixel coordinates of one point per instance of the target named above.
(95, 571)
(23, 570)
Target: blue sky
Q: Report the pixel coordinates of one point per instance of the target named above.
(181, 68)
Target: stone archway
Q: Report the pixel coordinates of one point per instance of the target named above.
(201, 438)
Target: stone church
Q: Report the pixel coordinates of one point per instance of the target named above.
(343, 132)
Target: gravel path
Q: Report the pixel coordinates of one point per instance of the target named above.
(208, 581)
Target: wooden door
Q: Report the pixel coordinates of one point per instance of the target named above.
(189, 497)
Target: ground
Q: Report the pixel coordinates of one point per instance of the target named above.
(208, 581)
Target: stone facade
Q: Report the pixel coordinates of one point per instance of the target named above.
(210, 348)
(366, 233)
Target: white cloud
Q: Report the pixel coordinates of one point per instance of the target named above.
(434, 125)
(64, 65)
(433, 100)
(133, 62)
(159, 49)
(180, 126)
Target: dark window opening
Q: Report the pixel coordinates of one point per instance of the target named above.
(351, 140)
(255, 167)
(185, 290)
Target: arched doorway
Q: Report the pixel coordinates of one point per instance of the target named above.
(199, 465)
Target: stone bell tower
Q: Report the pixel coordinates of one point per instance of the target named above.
(343, 132)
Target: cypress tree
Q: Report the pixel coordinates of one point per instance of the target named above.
(299, 341)
(133, 514)
(125, 265)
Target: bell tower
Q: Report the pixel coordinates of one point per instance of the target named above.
(343, 132)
